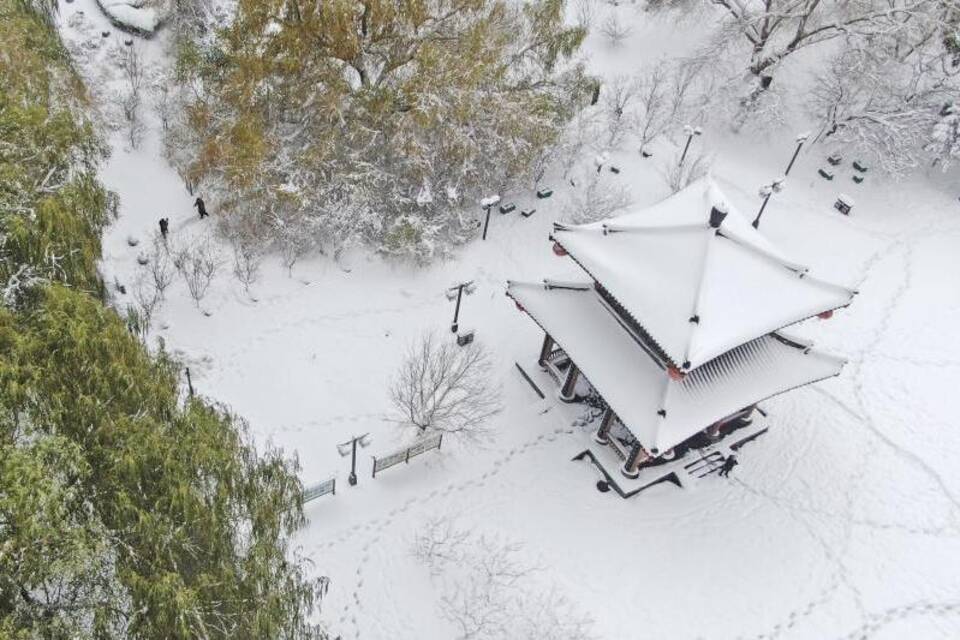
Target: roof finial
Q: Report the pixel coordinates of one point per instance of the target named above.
(717, 214)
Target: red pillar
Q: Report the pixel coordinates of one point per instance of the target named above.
(602, 434)
(567, 391)
(545, 350)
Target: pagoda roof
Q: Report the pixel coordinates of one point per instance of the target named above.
(698, 290)
(658, 411)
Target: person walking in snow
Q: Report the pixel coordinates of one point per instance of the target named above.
(201, 208)
(164, 227)
(728, 466)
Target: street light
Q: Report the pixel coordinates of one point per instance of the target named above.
(800, 140)
(766, 191)
(456, 291)
(690, 131)
(350, 448)
(487, 204)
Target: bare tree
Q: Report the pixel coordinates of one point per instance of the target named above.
(246, 262)
(439, 543)
(615, 29)
(595, 197)
(585, 12)
(776, 29)
(147, 298)
(198, 265)
(548, 615)
(483, 606)
(445, 388)
(163, 101)
(490, 592)
(131, 64)
(665, 97)
(883, 109)
(618, 104)
(580, 136)
(679, 175)
(161, 266)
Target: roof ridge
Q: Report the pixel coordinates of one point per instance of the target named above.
(694, 318)
(611, 228)
(743, 243)
(802, 270)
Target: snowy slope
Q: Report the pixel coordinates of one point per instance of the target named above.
(842, 522)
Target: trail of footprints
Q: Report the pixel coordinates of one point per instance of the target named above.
(348, 615)
(872, 622)
(879, 620)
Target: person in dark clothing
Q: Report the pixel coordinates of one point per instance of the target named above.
(728, 466)
(201, 208)
(164, 227)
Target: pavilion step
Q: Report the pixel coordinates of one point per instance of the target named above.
(700, 466)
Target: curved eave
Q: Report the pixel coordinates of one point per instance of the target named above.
(656, 346)
(639, 390)
(688, 359)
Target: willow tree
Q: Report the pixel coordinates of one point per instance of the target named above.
(376, 118)
(126, 510)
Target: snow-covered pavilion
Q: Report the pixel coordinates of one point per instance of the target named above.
(677, 322)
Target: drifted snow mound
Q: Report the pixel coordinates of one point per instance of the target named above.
(141, 16)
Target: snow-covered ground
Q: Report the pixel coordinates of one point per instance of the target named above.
(842, 522)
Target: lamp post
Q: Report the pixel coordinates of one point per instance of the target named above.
(350, 448)
(800, 140)
(487, 204)
(456, 291)
(690, 131)
(766, 191)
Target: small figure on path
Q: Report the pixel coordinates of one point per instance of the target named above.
(164, 227)
(201, 208)
(728, 466)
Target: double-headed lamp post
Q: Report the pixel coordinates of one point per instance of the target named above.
(766, 191)
(349, 448)
(456, 292)
(486, 204)
(691, 132)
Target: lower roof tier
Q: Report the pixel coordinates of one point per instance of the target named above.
(660, 411)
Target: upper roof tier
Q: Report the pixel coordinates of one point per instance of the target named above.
(697, 277)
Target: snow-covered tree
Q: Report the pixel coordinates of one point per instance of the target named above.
(125, 511)
(667, 95)
(357, 105)
(52, 209)
(888, 109)
(133, 73)
(776, 29)
(491, 591)
(595, 196)
(198, 265)
(944, 142)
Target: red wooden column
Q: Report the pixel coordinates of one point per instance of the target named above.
(567, 391)
(636, 456)
(545, 350)
(602, 434)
